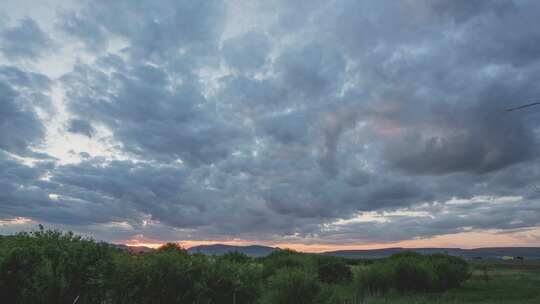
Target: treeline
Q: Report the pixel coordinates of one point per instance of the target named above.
(55, 267)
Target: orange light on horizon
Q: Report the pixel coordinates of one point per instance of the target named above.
(142, 244)
(466, 240)
(15, 221)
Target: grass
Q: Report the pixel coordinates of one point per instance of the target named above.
(507, 282)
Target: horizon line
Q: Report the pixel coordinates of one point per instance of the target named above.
(155, 246)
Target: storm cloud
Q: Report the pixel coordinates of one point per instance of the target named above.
(26, 40)
(299, 121)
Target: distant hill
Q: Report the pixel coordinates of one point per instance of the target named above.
(486, 253)
(259, 251)
(219, 249)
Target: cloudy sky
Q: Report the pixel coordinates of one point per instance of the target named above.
(310, 124)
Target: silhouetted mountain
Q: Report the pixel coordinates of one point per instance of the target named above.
(218, 249)
(258, 251)
(486, 253)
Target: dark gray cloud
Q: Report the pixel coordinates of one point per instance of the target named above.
(153, 30)
(20, 94)
(80, 126)
(313, 71)
(150, 115)
(482, 214)
(26, 40)
(248, 52)
(479, 139)
(28, 193)
(288, 128)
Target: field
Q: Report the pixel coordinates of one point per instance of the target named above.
(491, 282)
(51, 267)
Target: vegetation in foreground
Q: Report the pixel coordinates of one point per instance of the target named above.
(55, 267)
(493, 282)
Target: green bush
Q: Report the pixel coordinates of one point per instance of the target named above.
(55, 267)
(450, 271)
(291, 286)
(285, 259)
(233, 282)
(235, 256)
(166, 276)
(336, 293)
(412, 272)
(374, 280)
(333, 270)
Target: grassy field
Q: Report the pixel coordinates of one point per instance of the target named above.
(491, 282)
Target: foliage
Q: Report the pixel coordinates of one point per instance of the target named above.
(55, 267)
(237, 257)
(233, 282)
(291, 286)
(515, 285)
(450, 271)
(50, 266)
(374, 280)
(285, 259)
(412, 272)
(166, 276)
(337, 293)
(333, 270)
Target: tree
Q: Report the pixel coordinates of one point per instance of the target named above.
(333, 270)
(291, 286)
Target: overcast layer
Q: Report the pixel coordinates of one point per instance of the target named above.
(298, 122)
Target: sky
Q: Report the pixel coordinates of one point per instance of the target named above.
(314, 125)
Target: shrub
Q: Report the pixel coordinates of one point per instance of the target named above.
(285, 259)
(450, 271)
(412, 272)
(336, 293)
(54, 267)
(291, 286)
(235, 256)
(165, 276)
(333, 270)
(232, 282)
(374, 280)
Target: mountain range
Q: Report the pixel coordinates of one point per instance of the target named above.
(486, 253)
(218, 249)
(259, 251)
